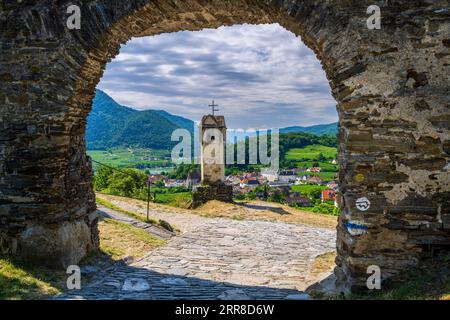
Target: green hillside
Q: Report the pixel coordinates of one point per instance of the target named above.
(146, 129)
(111, 125)
(319, 130)
(177, 120)
(106, 117)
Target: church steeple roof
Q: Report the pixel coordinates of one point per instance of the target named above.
(210, 121)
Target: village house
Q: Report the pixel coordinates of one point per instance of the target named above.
(262, 180)
(287, 176)
(298, 170)
(314, 169)
(252, 175)
(155, 178)
(251, 183)
(333, 185)
(233, 180)
(173, 183)
(279, 184)
(295, 194)
(239, 190)
(314, 180)
(228, 182)
(302, 179)
(297, 199)
(288, 172)
(269, 174)
(194, 178)
(150, 158)
(328, 195)
(261, 195)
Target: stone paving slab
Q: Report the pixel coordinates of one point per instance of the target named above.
(220, 259)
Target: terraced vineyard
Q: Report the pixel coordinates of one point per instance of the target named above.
(311, 152)
(314, 155)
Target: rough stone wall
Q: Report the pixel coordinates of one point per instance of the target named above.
(394, 104)
(206, 193)
(391, 86)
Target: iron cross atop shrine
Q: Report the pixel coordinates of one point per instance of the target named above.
(213, 107)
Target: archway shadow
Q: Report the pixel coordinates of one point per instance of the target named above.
(124, 282)
(254, 206)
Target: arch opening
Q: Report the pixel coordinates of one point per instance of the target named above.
(194, 68)
(391, 89)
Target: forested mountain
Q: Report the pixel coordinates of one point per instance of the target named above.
(113, 125)
(319, 130)
(179, 121)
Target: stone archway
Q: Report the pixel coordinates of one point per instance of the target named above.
(393, 101)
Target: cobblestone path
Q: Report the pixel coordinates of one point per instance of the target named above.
(220, 259)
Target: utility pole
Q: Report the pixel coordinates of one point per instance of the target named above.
(126, 173)
(148, 199)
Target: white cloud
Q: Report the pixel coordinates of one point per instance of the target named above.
(261, 76)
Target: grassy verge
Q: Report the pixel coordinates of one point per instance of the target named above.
(118, 241)
(322, 208)
(20, 281)
(179, 200)
(429, 281)
(323, 263)
(134, 215)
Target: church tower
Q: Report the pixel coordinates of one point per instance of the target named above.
(212, 132)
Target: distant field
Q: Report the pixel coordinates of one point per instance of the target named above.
(306, 157)
(181, 199)
(311, 152)
(307, 188)
(326, 176)
(326, 166)
(142, 158)
(131, 158)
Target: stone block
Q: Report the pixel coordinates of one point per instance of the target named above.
(57, 246)
(207, 193)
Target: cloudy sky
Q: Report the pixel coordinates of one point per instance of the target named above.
(262, 76)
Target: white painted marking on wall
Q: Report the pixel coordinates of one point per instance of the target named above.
(363, 204)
